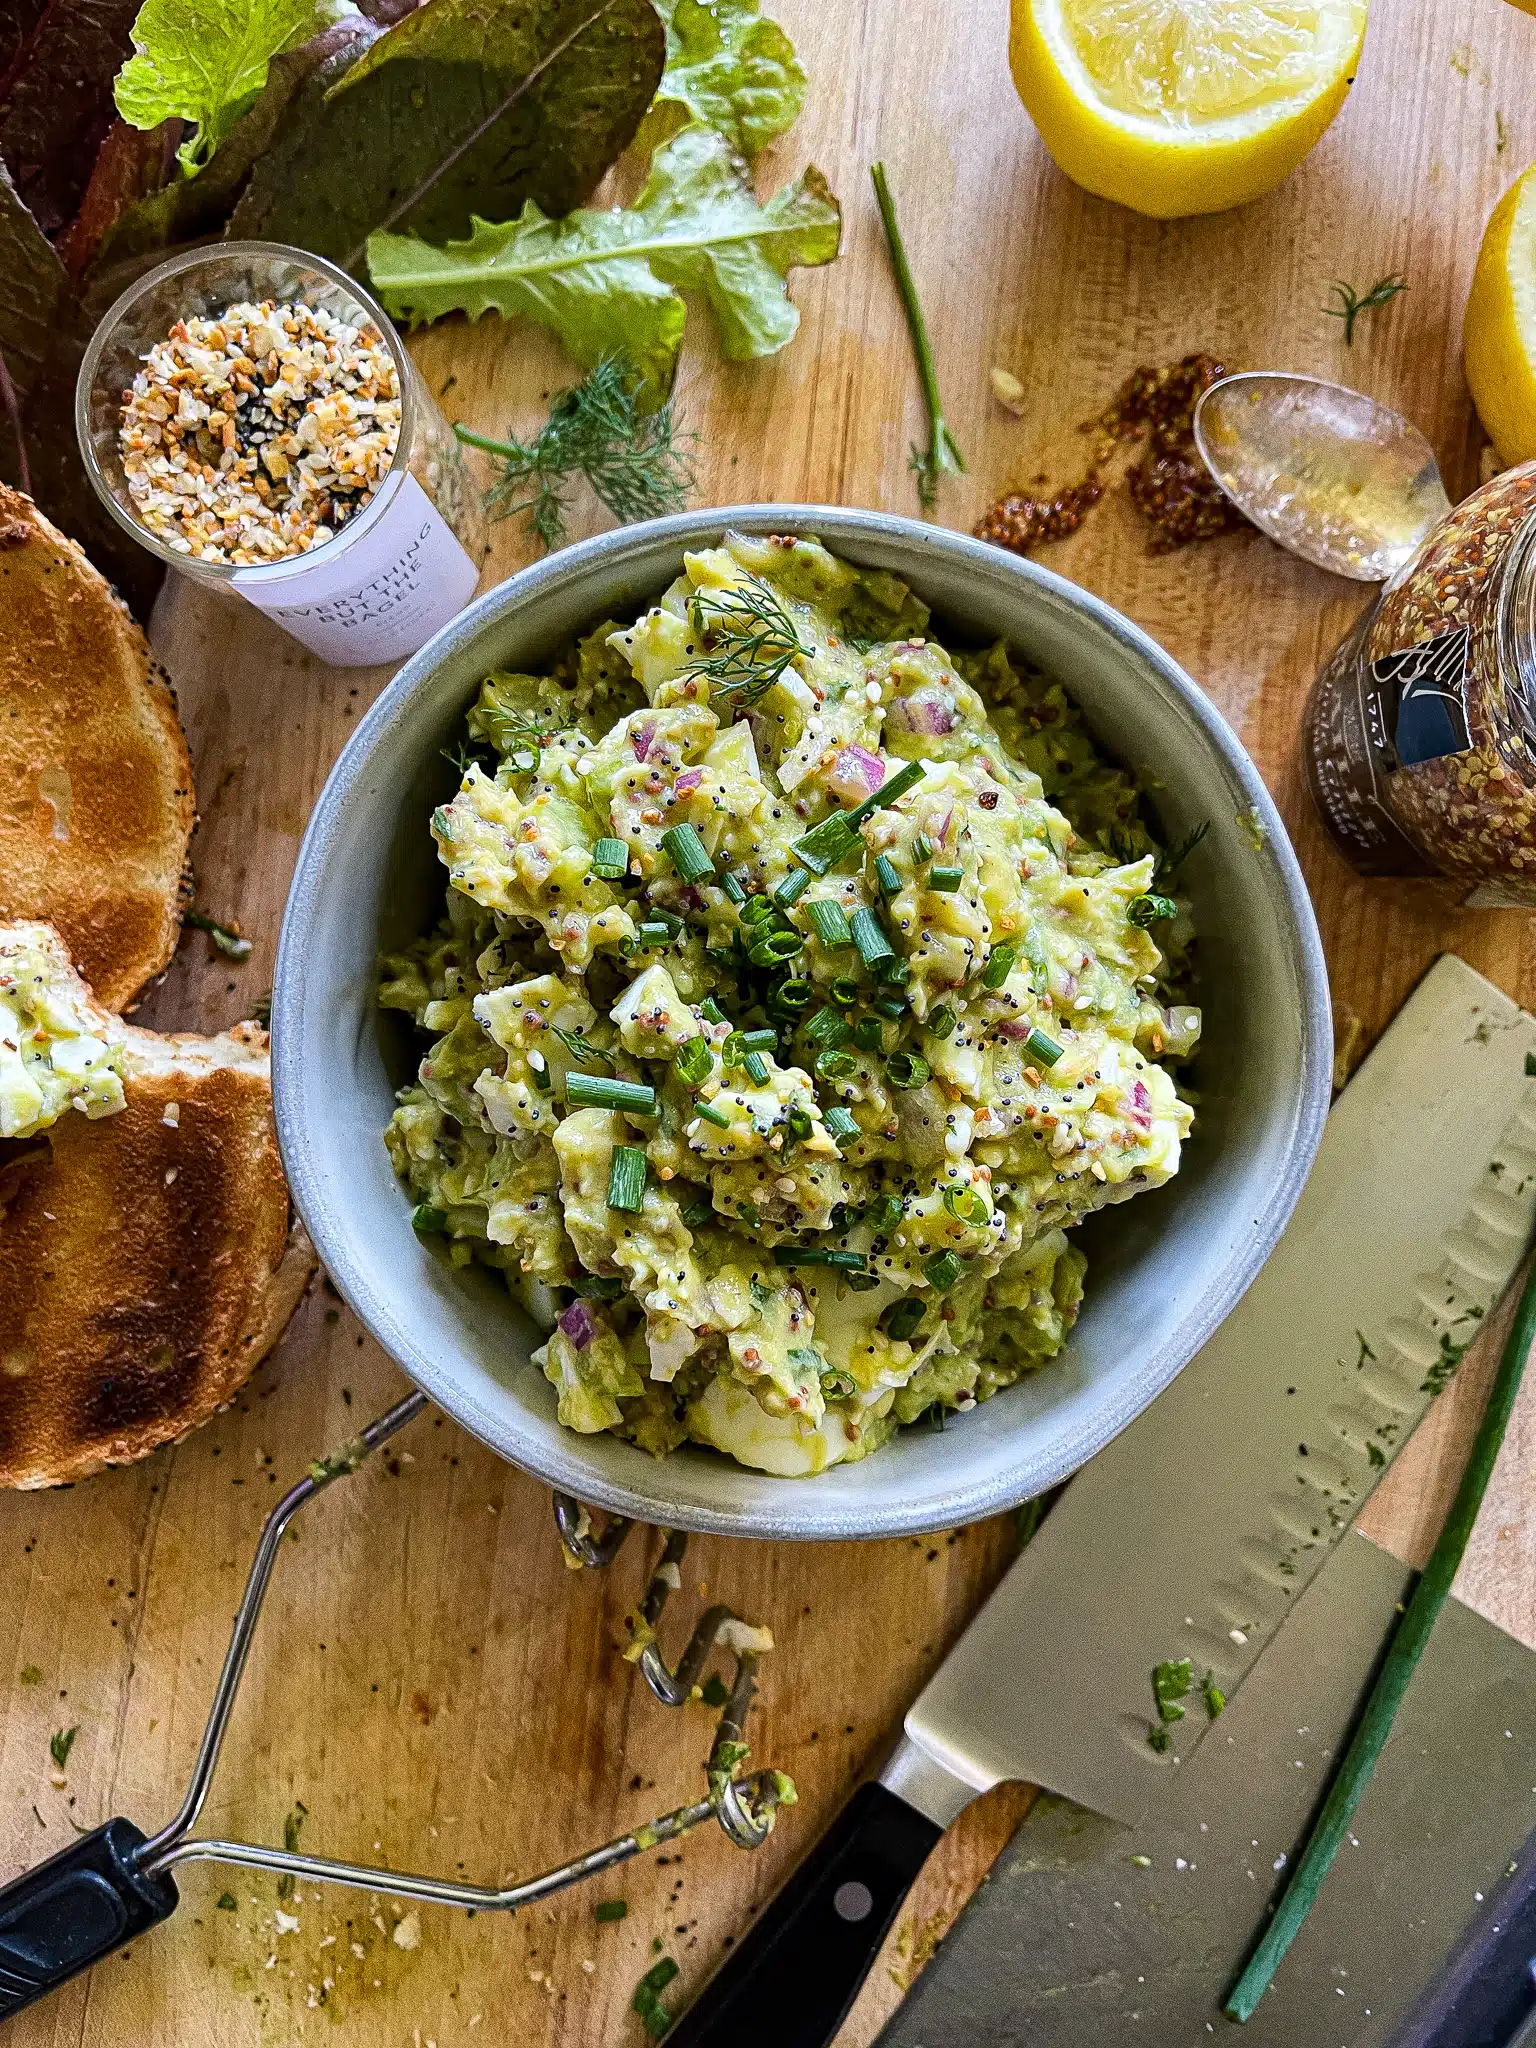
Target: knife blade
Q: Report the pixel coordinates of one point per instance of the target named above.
(1190, 1536)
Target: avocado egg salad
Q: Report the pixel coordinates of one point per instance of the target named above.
(797, 992)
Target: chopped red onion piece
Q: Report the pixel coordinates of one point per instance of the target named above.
(579, 1324)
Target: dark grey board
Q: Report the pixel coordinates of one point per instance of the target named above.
(1069, 1941)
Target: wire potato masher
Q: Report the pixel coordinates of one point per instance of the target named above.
(115, 1882)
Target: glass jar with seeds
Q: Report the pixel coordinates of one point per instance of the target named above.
(250, 415)
(1420, 735)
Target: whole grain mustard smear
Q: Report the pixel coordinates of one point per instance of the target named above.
(797, 992)
(257, 435)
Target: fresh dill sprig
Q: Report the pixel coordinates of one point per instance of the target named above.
(637, 462)
(1352, 303)
(581, 1048)
(942, 456)
(462, 755)
(760, 638)
(1176, 856)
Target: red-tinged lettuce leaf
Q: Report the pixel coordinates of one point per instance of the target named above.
(461, 109)
(132, 166)
(43, 333)
(57, 104)
(19, 21)
(173, 209)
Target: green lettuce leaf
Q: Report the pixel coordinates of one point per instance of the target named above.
(730, 67)
(608, 282)
(205, 61)
(462, 109)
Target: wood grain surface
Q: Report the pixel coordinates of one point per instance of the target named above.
(430, 1681)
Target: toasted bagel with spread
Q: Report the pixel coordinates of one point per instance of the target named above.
(149, 1258)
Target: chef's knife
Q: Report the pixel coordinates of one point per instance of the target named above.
(1191, 1534)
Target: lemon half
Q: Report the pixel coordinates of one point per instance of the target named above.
(1498, 334)
(1176, 107)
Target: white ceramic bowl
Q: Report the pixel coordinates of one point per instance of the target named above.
(1163, 1269)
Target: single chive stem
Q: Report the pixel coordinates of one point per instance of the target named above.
(1039, 1046)
(1331, 1828)
(1000, 965)
(894, 786)
(945, 879)
(610, 859)
(789, 886)
(887, 875)
(831, 922)
(598, 1091)
(943, 457)
(840, 1123)
(871, 941)
(689, 855)
(711, 1115)
(817, 1255)
(626, 1179)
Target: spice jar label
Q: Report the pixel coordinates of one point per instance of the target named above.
(374, 597)
(1422, 694)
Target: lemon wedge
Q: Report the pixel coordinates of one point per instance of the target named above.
(1176, 107)
(1498, 334)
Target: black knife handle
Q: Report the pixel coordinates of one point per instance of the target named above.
(58, 1919)
(1486, 1995)
(791, 1981)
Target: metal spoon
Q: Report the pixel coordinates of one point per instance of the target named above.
(1323, 470)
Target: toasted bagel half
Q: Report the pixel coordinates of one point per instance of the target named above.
(96, 803)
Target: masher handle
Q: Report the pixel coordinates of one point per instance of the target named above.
(790, 1983)
(58, 1919)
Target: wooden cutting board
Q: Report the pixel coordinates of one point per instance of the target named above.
(430, 1681)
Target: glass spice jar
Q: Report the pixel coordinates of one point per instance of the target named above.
(405, 561)
(1420, 733)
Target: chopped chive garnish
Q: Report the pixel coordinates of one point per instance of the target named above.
(907, 1070)
(757, 1068)
(799, 1121)
(869, 1034)
(610, 859)
(733, 1052)
(775, 948)
(793, 995)
(825, 844)
(711, 1115)
(723, 957)
(425, 1218)
(654, 932)
(894, 786)
(844, 990)
(943, 1270)
(945, 880)
(733, 887)
(826, 1028)
(1145, 910)
(941, 1022)
(884, 1212)
(871, 941)
(600, 1091)
(966, 1205)
(597, 1287)
(789, 886)
(692, 1062)
(1042, 1048)
(1000, 966)
(626, 1179)
(922, 848)
(890, 1006)
(755, 910)
(829, 1065)
(840, 1124)
(542, 1079)
(759, 1041)
(901, 1319)
(689, 855)
(830, 921)
(817, 1255)
(894, 970)
(887, 875)
(711, 1010)
(697, 1214)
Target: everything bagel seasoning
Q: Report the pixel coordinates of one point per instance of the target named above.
(257, 435)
